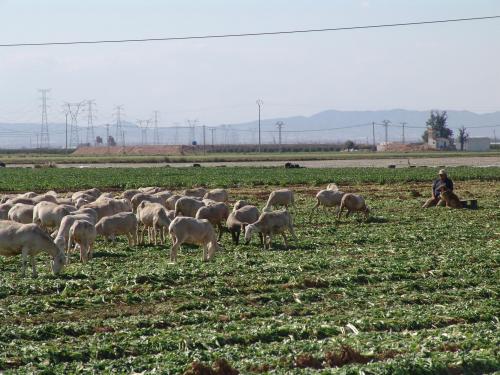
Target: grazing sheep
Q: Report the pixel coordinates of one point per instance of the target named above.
(107, 207)
(44, 198)
(192, 231)
(104, 196)
(328, 198)
(164, 194)
(123, 223)
(65, 201)
(29, 240)
(62, 234)
(332, 186)
(28, 194)
(4, 210)
(170, 202)
(21, 213)
(208, 202)
(218, 195)
(187, 206)
(152, 216)
(196, 192)
(138, 198)
(128, 194)
(239, 219)
(86, 194)
(80, 202)
(282, 197)
(239, 204)
(269, 224)
(150, 189)
(49, 215)
(353, 203)
(82, 233)
(17, 200)
(216, 214)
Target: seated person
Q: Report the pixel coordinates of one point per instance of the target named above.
(436, 191)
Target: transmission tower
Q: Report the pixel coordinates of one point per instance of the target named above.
(73, 110)
(44, 132)
(280, 125)
(386, 123)
(143, 125)
(212, 131)
(90, 139)
(119, 130)
(156, 134)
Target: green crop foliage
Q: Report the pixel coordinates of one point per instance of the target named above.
(419, 286)
(26, 179)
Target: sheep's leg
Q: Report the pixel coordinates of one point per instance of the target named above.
(292, 231)
(269, 241)
(69, 250)
(130, 239)
(347, 213)
(173, 250)
(219, 226)
(205, 252)
(33, 266)
(235, 236)
(340, 212)
(24, 255)
(91, 251)
(155, 235)
(284, 239)
(261, 237)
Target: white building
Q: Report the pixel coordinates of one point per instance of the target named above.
(477, 144)
(438, 143)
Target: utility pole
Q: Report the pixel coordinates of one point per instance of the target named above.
(66, 121)
(90, 139)
(44, 132)
(403, 136)
(260, 103)
(386, 125)
(156, 134)
(107, 137)
(212, 130)
(204, 140)
(494, 136)
(279, 125)
(37, 144)
(118, 115)
(373, 136)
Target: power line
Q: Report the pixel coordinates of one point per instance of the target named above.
(220, 36)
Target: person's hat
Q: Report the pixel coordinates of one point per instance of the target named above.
(442, 171)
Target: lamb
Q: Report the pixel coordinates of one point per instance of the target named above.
(269, 224)
(4, 210)
(187, 206)
(328, 198)
(353, 203)
(282, 197)
(153, 216)
(62, 234)
(29, 240)
(216, 214)
(21, 213)
(239, 219)
(192, 231)
(82, 233)
(170, 202)
(107, 207)
(218, 195)
(239, 204)
(123, 223)
(196, 192)
(49, 215)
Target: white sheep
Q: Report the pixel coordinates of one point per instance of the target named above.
(170, 202)
(192, 231)
(239, 204)
(187, 206)
(94, 192)
(128, 194)
(29, 240)
(218, 195)
(4, 210)
(277, 198)
(82, 233)
(21, 213)
(123, 223)
(195, 192)
(152, 216)
(332, 186)
(269, 224)
(107, 207)
(138, 198)
(353, 203)
(328, 198)
(150, 189)
(62, 234)
(215, 213)
(239, 219)
(49, 215)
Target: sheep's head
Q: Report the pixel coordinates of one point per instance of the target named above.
(58, 262)
(60, 243)
(250, 228)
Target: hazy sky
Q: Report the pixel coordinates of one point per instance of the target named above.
(448, 66)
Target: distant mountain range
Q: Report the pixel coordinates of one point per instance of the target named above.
(323, 127)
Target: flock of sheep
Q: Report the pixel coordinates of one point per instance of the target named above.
(31, 223)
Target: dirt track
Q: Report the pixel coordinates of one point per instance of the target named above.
(482, 161)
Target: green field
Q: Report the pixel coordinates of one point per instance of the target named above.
(27, 179)
(61, 158)
(419, 288)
